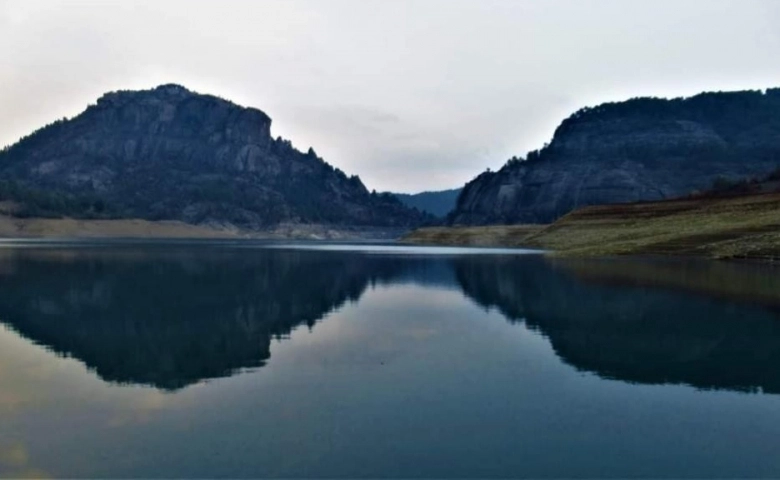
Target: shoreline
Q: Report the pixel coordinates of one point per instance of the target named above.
(59, 229)
(503, 236)
(745, 228)
(737, 228)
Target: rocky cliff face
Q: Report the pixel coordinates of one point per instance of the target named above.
(169, 153)
(641, 149)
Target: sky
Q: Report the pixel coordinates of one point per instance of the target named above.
(411, 95)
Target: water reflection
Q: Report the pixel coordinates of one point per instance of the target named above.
(168, 319)
(643, 321)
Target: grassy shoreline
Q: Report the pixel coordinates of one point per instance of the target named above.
(488, 236)
(743, 227)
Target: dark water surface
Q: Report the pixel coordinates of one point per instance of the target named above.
(252, 360)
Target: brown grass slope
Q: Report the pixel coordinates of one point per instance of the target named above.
(732, 227)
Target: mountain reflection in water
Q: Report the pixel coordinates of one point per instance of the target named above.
(170, 318)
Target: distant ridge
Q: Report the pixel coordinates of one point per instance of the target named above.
(438, 203)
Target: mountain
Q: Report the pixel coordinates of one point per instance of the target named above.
(438, 204)
(640, 149)
(169, 153)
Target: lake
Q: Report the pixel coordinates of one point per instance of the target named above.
(242, 359)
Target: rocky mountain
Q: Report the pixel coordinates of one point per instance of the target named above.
(438, 203)
(640, 149)
(169, 153)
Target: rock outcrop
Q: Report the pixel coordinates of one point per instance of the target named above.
(169, 153)
(641, 149)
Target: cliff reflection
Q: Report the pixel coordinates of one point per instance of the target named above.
(169, 319)
(643, 321)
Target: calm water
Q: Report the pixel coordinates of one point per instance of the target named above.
(239, 360)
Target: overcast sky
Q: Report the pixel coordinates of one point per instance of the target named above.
(410, 95)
